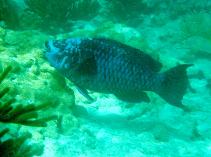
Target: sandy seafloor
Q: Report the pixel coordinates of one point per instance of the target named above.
(110, 127)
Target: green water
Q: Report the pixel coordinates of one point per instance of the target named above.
(173, 32)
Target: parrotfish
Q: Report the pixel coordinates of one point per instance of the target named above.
(108, 66)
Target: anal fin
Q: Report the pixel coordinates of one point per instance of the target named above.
(133, 97)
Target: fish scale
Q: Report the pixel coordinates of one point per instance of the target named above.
(113, 74)
(108, 66)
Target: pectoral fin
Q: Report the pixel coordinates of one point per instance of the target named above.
(85, 93)
(88, 66)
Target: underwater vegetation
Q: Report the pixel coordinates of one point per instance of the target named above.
(196, 34)
(20, 114)
(60, 16)
(57, 15)
(196, 24)
(50, 16)
(129, 12)
(17, 147)
(124, 10)
(9, 13)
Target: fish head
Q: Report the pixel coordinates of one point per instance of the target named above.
(64, 55)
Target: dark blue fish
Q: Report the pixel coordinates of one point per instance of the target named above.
(107, 66)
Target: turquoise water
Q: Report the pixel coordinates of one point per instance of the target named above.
(172, 32)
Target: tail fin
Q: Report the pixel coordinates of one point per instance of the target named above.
(174, 85)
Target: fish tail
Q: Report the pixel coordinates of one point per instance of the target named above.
(174, 85)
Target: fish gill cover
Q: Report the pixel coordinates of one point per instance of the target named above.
(171, 32)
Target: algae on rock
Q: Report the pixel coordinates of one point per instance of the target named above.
(19, 114)
(18, 147)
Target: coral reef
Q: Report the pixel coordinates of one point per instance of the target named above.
(58, 15)
(9, 13)
(19, 114)
(196, 24)
(133, 13)
(125, 10)
(196, 35)
(17, 147)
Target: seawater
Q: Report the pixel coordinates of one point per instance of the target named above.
(172, 32)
